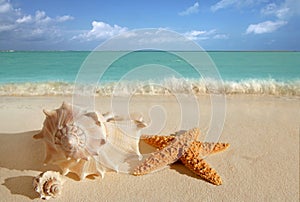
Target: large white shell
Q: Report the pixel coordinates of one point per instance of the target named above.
(48, 184)
(87, 143)
(121, 149)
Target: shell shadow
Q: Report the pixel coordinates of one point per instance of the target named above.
(21, 152)
(146, 148)
(21, 185)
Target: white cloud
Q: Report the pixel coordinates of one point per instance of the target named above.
(283, 12)
(6, 27)
(41, 17)
(190, 10)
(287, 9)
(269, 9)
(19, 26)
(222, 4)
(197, 35)
(64, 18)
(265, 27)
(293, 6)
(221, 36)
(278, 11)
(100, 31)
(24, 19)
(5, 6)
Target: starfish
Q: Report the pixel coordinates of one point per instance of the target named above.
(192, 157)
(168, 154)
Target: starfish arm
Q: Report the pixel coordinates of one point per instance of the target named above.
(206, 148)
(193, 160)
(201, 168)
(168, 154)
(158, 141)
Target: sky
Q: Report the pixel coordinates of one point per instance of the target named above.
(213, 24)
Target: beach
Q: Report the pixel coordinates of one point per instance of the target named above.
(86, 87)
(261, 164)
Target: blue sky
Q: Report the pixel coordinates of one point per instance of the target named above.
(214, 25)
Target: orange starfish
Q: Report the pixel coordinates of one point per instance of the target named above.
(192, 157)
(168, 154)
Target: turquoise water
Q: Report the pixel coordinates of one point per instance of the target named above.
(17, 67)
(282, 66)
(19, 70)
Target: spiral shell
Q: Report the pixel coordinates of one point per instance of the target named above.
(88, 143)
(48, 184)
(72, 137)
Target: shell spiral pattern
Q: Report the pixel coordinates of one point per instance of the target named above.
(48, 184)
(72, 140)
(73, 137)
(88, 143)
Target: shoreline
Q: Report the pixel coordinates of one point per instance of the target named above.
(262, 131)
(168, 86)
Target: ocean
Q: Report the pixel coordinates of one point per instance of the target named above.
(26, 73)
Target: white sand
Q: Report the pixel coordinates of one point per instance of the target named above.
(261, 164)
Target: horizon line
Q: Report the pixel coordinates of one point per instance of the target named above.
(12, 50)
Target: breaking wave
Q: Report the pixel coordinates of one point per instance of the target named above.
(165, 87)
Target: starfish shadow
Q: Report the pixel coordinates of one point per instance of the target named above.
(180, 168)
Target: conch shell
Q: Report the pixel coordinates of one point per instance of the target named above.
(88, 143)
(48, 184)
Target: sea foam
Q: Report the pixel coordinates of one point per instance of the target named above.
(166, 87)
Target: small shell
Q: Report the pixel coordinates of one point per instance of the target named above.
(48, 184)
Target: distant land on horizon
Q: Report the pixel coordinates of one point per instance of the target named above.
(11, 51)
